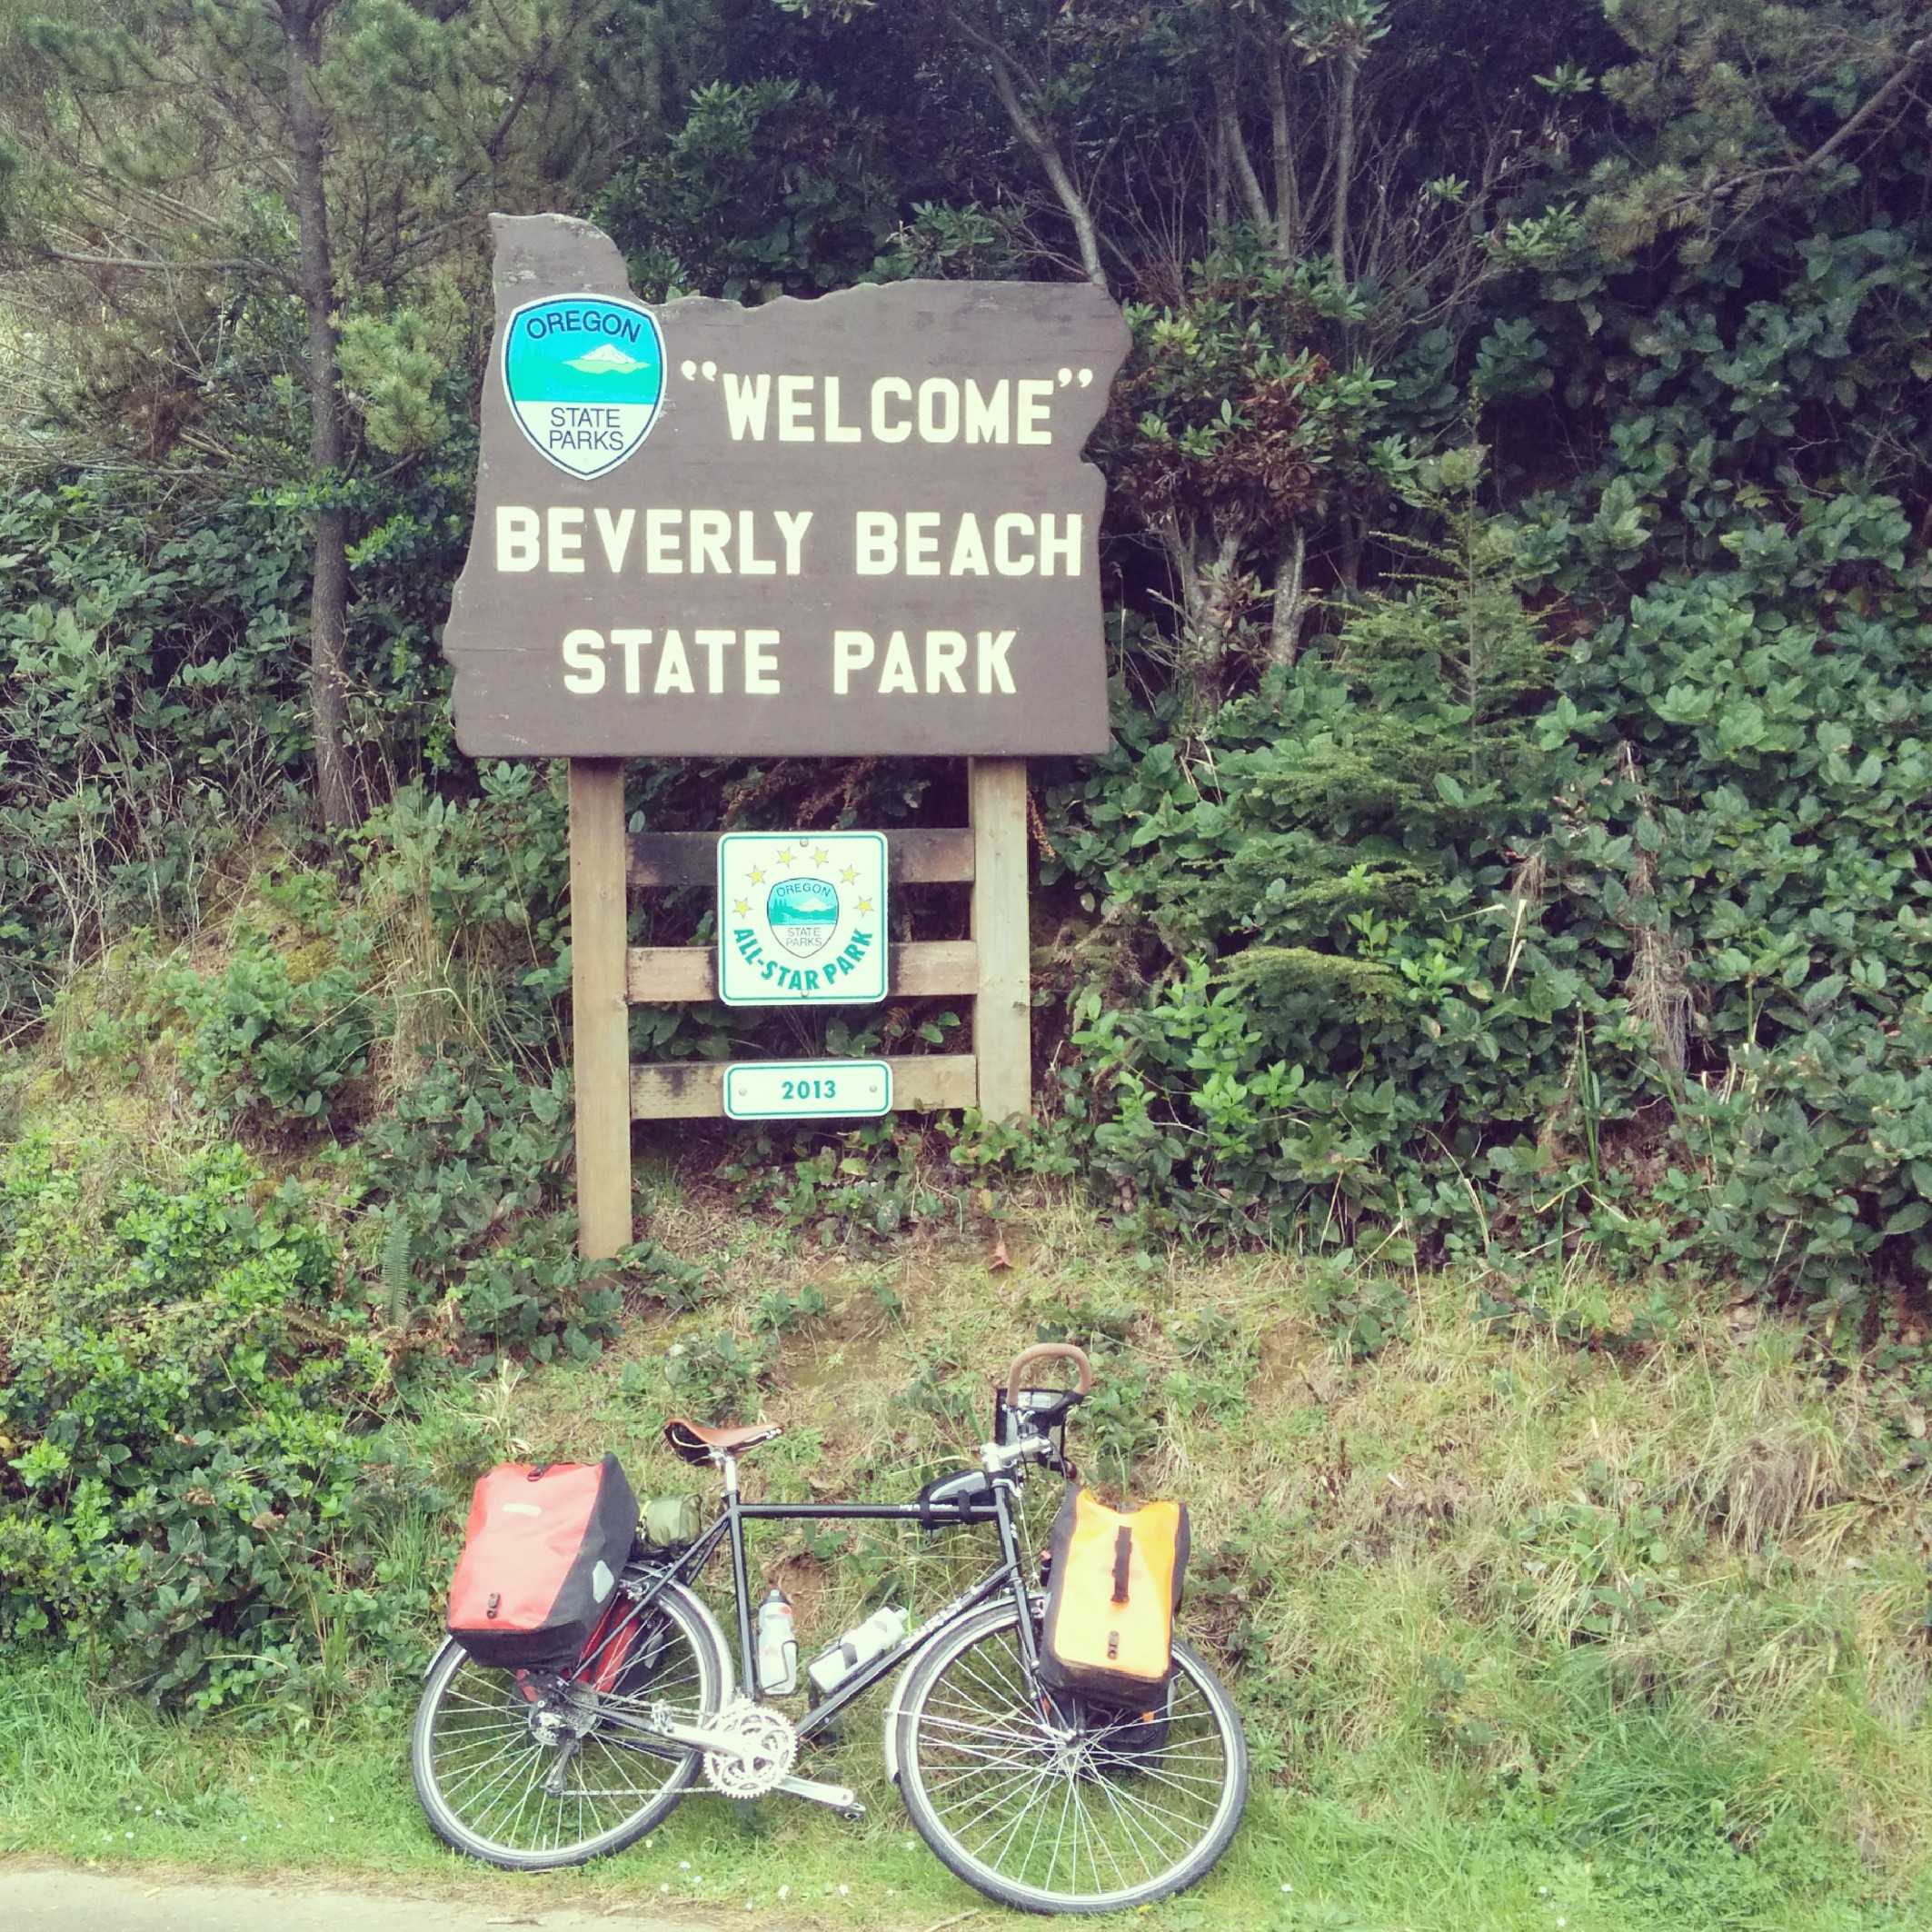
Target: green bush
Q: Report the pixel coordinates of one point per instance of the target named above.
(269, 1046)
(469, 1173)
(197, 1483)
(1448, 939)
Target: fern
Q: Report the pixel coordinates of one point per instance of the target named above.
(397, 1280)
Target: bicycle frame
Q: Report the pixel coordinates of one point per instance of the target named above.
(729, 1527)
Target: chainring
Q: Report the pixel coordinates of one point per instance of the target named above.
(769, 1738)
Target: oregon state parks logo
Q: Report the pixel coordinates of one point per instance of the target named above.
(802, 914)
(585, 378)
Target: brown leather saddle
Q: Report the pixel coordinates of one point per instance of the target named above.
(700, 1445)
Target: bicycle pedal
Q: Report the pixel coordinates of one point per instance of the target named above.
(838, 1797)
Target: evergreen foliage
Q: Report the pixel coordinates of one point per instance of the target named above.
(1514, 538)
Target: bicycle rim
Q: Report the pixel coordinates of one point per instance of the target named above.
(494, 1789)
(1115, 1815)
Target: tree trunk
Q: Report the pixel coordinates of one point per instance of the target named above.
(301, 23)
(1211, 603)
(1046, 151)
(1354, 540)
(1291, 611)
(1286, 190)
(1228, 113)
(1344, 166)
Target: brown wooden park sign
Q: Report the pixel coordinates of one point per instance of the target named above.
(856, 525)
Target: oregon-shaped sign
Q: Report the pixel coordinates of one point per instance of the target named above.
(862, 524)
(585, 378)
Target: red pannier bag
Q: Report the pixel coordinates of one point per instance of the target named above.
(541, 1556)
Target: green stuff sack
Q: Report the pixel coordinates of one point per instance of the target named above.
(1116, 1583)
(670, 1522)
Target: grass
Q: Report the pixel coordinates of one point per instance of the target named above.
(1529, 1635)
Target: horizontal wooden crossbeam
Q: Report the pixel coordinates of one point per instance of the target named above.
(927, 855)
(694, 1090)
(942, 967)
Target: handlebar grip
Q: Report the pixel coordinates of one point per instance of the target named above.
(1049, 1351)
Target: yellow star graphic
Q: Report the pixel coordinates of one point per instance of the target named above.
(740, 906)
(822, 857)
(865, 905)
(850, 875)
(756, 877)
(784, 858)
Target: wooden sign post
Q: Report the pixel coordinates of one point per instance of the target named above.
(607, 977)
(600, 1004)
(853, 526)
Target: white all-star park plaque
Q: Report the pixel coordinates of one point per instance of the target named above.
(801, 919)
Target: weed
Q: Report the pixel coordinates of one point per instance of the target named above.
(718, 1377)
(1363, 1312)
(780, 1313)
(269, 1046)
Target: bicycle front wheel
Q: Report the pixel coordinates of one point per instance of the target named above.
(499, 1784)
(1099, 1817)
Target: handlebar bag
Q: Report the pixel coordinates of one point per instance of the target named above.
(1114, 1586)
(540, 1560)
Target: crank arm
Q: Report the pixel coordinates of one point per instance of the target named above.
(696, 1737)
(839, 1797)
(662, 1726)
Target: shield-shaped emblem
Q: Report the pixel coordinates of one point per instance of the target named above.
(804, 913)
(585, 378)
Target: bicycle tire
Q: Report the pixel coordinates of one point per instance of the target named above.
(479, 1769)
(967, 1699)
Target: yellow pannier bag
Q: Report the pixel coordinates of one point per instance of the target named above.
(1114, 1586)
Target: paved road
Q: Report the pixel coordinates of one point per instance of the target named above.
(52, 1898)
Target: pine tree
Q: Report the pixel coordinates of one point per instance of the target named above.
(334, 155)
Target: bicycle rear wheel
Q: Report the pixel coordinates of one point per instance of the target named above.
(1101, 1816)
(504, 1782)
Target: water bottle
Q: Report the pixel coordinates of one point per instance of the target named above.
(777, 1646)
(878, 1634)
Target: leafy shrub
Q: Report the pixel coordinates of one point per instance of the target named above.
(189, 1427)
(153, 701)
(469, 1172)
(1448, 938)
(873, 1181)
(472, 896)
(1817, 1166)
(271, 1046)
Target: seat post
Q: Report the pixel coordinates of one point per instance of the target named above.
(728, 1464)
